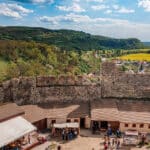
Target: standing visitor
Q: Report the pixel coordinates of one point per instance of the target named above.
(109, 144)
(113, 142)
(66, 134)
(63, 134)
(105, 146)
(59, 147)
(118, 145)
(76, 133)
(143, 139)
(29, 141)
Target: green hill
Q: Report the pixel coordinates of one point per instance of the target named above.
(20, 58)
(146, 44)
(67, 39)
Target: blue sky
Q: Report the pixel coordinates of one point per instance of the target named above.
(114, 18)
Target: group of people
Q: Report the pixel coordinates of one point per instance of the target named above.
(117, 132)
(69, 134)
(111, 144)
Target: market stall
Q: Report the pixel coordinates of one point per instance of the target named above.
(14, 129)
(66, 130)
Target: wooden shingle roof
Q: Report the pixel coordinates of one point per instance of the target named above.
(35, 113)
(9, 110)
(122, 111)
(104, 110)
(134, 111)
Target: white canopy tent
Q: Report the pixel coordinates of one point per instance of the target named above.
(68, 125)
(14, 129)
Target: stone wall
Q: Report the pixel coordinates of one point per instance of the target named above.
(50, 89)
(116, 83)
(111, 83)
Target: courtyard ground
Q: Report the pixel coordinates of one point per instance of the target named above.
(86, 141)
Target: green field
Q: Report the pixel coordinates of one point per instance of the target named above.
(136, 57)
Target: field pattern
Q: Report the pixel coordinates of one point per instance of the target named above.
(136, 57)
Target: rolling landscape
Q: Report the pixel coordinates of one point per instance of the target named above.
(68, 39)
(39, 51)
(74, 75)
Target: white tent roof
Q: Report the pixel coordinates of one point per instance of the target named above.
(14, 129)
(64, 125)
(131, 132)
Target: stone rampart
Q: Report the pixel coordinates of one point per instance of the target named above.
(28, 90)
(112, 83)
(116, 83)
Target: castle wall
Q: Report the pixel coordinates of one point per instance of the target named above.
(49, 89)
(116, 83)
(111, 83)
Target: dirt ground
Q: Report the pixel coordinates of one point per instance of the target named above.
(86, 141)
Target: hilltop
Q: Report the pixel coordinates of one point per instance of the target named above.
(67, 39)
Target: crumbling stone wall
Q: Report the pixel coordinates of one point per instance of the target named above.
(112, 83)
(50, 89)
(116, 83)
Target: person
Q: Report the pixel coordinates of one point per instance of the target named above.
(72, 132)
(118, 133)
(63, 134)
(118, 144)
(70, 135)
(59, 147)
(109, 144)
(66, 135)
(53, 131)
(143, 139)
(109, 131)
(29, 140)
(76, 133)
(105, 139)
(113, 142)
(105, 146)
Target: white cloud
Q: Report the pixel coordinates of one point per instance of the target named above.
(99, 1)
(80, 19)
(76, 0)
(115, 6)
(35, 1)
(122, 10)
(145, 4)
(125, 10)
(99, 7)
(108, 11)
(13, 10)
(42, 1)
(74, 8)
(118, 28)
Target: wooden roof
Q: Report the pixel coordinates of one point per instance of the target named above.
(34, 113)
(104, 110)
(9, 110)
(122, 111)
(134, 111)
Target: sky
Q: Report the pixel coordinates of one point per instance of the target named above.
(113, 18)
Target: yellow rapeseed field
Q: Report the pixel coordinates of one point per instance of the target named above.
(136, 57)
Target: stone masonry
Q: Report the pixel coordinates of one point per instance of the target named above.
(111, 83)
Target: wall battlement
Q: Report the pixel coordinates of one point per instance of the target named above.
(116, 83)
(112, 83)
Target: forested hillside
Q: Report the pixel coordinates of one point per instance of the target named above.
(146, 44)
(18, 58)
(67, 39)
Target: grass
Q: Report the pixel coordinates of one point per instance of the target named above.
(3, 67)
(136, 57)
